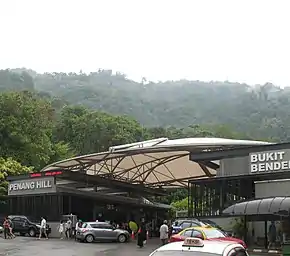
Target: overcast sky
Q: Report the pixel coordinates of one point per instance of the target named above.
(245, 41)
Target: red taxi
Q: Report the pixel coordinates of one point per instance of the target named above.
(205, 233)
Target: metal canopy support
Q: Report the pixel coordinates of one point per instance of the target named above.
(111, 183)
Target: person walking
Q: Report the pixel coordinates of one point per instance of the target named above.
(10, 228)
(61, 229)
(164, 232)
(6, 227)
(272, 234)
(42, 228)
(68, 228)
(79, 224)
(141, 236)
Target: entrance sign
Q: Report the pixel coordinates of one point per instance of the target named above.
(270, 161)
(32, 186)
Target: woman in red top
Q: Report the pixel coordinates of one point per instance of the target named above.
(6, 226)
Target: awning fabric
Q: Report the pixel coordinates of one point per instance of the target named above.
(264, 206)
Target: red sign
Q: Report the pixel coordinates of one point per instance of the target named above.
(34, 175)
(40, 174)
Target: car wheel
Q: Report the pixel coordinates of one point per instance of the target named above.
(32, 232)
(89, 238)
(122, 238)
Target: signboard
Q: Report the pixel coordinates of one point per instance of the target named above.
(32, 186)
(270, 161)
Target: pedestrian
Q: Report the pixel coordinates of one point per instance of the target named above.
(42, 228)
(6, 229)
(68, 228)
(61, 229)
(164, 232)
(79, 225)
(10, 228)
(272, 234)
(141, 236)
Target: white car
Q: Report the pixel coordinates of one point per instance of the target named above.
(197, 247)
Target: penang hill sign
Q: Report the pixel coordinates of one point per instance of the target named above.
(269, 161)
(32, 186)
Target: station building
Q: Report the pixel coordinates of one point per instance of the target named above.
(124, 183)
(251, 182)
(120, 184)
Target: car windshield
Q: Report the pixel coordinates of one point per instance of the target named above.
(183, 253)
(213, 233)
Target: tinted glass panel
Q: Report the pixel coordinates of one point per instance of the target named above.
(196, 233)
(187, 233)
(94, 226)
(186, 225)
(195, 224)
(213, 233)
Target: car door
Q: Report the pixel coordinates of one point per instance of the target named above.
(16, 224)
(109, 232)
(97, 231)
(23, 225)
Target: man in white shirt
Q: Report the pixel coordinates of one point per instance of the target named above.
(78, 227)
(42, 228)
(68, 228)
(164, 232)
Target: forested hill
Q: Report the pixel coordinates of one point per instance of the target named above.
(260, 112)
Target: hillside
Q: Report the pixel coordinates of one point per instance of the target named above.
(260, 112)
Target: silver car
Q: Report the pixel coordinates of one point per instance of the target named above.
(101, 231)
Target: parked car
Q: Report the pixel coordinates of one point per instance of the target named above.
(101, 231)
(181, 224)
(1, 229)
(23, 225)
(205, 233)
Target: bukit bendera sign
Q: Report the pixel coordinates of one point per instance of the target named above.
(32, 186)
(270, 161)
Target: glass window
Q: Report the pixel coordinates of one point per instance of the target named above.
(94, 226)
(212, 233)
(187, 233)
(101, 226)
(186, 225)
(196, 233)
(195, 224)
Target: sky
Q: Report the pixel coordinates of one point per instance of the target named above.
(241, 41)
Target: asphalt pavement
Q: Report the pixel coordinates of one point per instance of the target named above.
(27, 246)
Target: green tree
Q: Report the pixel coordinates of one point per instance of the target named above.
(92, 131)
(10, 167)
(26, 123)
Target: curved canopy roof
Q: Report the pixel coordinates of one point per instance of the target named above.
(264, 206)
(159, 162)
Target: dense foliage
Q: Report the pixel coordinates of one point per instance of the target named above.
(48, 117)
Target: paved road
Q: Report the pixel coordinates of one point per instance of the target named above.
(26, 246)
